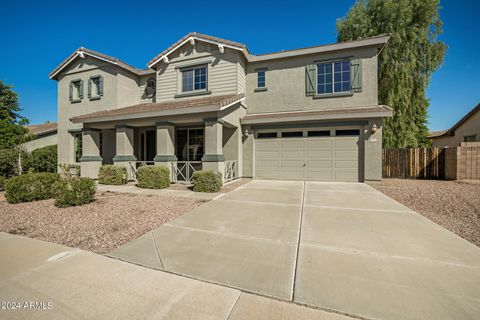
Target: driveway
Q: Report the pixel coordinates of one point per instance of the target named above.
(337, 246)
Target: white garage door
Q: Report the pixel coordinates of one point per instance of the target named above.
(309, 155)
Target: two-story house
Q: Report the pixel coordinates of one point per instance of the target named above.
(208, 103)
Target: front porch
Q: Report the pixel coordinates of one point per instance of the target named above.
(183, 143)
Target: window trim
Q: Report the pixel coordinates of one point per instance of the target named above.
(90, 88)
(318, 95)
(72, 85)
(193, 91)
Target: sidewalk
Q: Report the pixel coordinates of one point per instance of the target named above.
(57, 282)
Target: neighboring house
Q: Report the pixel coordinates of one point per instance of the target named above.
(465, 130)
(208, 103)
(44, 135)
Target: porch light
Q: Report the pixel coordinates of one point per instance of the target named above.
(165, 59)
(374, 128)
(245, 133)
(221, 48)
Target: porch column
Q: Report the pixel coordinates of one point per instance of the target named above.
(166, 147)
(213, 158)
(90, 161)
(124, 148)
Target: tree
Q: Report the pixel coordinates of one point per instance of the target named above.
(406, 63)
(12, 132)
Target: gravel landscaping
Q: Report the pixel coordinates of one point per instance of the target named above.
(455, 205)
(110, 221)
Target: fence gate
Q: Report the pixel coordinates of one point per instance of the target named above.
(413, 163)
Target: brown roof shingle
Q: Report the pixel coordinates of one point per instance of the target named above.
(219, 101)
(111, 59)
(292, 114)
(201, 36)
(43, 128)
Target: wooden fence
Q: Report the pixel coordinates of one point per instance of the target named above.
(414, 163)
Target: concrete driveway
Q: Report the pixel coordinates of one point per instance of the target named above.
(338, 246)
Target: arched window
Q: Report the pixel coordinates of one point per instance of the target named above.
(150, 88)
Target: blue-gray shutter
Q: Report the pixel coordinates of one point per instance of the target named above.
(70, 91)
(356, 74)
(89, 88)
(310, 79)
(81, 90)
(100, 86)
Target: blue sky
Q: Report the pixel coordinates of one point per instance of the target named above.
(37, 36)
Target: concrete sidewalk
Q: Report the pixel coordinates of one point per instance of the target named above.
(50, 281)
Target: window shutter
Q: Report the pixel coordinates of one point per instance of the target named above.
(356, 74)
(100, 86)
(81, 90)
(310, 79)
(70, 91)
(89, 88)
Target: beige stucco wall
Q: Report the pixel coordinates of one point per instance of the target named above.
(468, 128)
(40, 142)
(285, 82)
(223, 71)
(120, 88)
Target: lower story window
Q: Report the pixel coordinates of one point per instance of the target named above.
(77, 146)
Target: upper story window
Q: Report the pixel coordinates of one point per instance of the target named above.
(194, 79)
(472, 138)
(333, 77)
(261, 79)
(76, 90)
(95, 87)
(150, 88)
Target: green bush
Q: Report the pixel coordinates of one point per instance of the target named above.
(30, 187)
(8, 162)
(41, 160)
(2, 182)
(206, 181)
(111, 174)
(153, 177)
(74, 191)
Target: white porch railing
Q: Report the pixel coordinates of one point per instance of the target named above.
(231, 170)
(135, 165)
(183, 170)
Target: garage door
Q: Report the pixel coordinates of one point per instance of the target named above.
(308, 155)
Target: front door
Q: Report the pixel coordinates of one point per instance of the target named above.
(148, 145)
(189, 152)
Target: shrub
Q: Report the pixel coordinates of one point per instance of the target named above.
(206, 181)
(2, 182)
(8, 162)
(30, 187)
(112, 174)
(42, 160)
(74, 191)
(153, 177)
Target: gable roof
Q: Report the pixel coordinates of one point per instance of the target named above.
(217, 102)
(198, 36)
(44, 128)
(378, 41)
(451, 131)
(81, 52)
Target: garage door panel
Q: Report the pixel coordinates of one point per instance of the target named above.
(319, 158)
(323, 143)
(318, 164)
